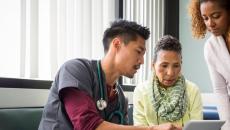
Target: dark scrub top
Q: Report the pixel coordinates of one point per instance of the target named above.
(81, 74)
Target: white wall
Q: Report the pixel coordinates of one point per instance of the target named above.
(14, 97)
(194, 66)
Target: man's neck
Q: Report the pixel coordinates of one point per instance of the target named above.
(111, 75)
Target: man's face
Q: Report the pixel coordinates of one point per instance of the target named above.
(130, 57)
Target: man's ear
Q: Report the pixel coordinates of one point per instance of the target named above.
(116, 42)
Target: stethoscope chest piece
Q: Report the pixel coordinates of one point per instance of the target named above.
(101, 104)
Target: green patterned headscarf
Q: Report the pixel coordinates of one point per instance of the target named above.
(171, 103)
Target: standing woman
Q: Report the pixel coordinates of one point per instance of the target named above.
(214, 16)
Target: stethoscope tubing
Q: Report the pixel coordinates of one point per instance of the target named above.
(102, 104)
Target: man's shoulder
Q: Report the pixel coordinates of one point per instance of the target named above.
(78, 62)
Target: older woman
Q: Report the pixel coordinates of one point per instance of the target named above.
(214, 16)
(167, 96)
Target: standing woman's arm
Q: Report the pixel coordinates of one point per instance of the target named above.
(220, 89)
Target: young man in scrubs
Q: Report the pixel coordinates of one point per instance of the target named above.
(85, 94)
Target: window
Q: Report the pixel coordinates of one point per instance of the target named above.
(9, 37)
(37, 36)
(149, 13)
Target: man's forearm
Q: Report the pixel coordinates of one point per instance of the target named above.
(111, 126)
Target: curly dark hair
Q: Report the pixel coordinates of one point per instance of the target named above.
(127, 30)
(198, 26)
(168, 43)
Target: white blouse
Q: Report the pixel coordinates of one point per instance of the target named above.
(218, 61)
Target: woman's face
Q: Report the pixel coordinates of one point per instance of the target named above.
(215, 18)
(167, 67)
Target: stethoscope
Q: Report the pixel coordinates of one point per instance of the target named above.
(102, 104)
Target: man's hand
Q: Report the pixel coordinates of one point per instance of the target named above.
(167, 126)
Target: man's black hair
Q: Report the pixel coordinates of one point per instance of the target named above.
(127, 30)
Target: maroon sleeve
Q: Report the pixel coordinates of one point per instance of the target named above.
(81, 109)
